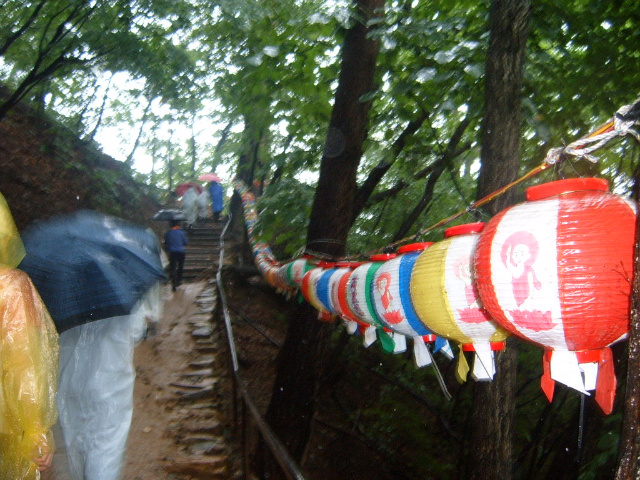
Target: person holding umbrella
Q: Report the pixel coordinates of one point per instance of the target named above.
(28, 364)
(175, 241)
(99, 277)
(215, 192)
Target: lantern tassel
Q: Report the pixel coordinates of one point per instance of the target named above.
(421, 352)
(352, 327)
(443, 346)
(388, 345)
(546, 382)
(607, 382)
(483, 362)
(400, 342)
(462, 369)
(369, 336)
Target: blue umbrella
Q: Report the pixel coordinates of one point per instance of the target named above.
(88, 266)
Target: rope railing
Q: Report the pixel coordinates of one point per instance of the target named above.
(289, 466)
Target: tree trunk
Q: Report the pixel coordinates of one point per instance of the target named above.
(629, 449)
(300, 360)
(492, 419)
(331, 214)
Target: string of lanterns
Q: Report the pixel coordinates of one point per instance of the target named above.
(554, 271)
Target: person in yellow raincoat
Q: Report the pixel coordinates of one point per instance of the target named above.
(28, 364)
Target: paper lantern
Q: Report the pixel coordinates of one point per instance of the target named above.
(359, 300)
(291, 273)
(341, 270)
(266, 263)
(391, 299)
(323, 290)
(310, 291)
(556, 270)
(342, 305)
(282, 276)
(446, 301)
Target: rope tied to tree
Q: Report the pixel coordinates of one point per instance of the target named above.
(620, 125)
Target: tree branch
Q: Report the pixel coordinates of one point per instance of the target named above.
(368, 186)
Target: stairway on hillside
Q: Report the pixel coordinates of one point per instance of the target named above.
(203, 250)
(199, 429)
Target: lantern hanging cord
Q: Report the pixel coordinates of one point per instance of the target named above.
(471, 208)
(620, 125)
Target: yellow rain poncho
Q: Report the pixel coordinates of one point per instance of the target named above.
(28, 362)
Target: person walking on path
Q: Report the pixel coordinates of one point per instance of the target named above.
(175, 241)
(215, 192)
(190, 206)
(28, 364)
(95, 397)
(203, 204)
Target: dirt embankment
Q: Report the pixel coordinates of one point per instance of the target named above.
(45, 170)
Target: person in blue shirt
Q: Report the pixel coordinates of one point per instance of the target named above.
(175, 241)
(215, 192)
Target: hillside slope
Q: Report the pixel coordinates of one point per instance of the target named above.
(45, 170)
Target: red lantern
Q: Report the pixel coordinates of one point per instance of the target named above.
(556, 271)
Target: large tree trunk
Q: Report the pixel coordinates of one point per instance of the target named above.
(492, 419)
(331, 214)
(629, 461)
(300, 360)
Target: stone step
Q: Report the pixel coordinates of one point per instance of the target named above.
(209, 467)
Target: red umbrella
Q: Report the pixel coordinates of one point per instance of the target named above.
(209, 177)
(183, 187)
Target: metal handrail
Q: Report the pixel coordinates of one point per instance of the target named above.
(289, 466)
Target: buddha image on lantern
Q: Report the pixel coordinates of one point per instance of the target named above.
(519, 253)
(353, 292)
(383, 286)
(473, 313)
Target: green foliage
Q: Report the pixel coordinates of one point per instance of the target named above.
(284, 215)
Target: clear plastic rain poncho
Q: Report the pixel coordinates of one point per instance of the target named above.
(190, 205)
(95, 397)
(203, 204)
(28, 359)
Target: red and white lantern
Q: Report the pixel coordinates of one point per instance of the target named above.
(339, 277)
(291, 273)
(556, 270)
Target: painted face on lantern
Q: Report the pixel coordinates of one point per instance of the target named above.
(383, 289)
(520, 255)
(462, 269)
